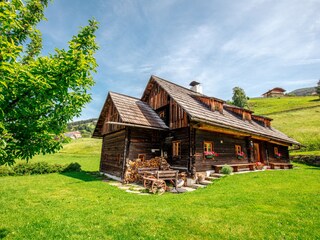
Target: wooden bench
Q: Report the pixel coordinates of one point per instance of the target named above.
(281, 165)
(235, 167)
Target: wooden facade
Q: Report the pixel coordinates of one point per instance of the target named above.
(275, 92)
(171, 128)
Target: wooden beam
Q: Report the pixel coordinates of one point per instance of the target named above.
(206, 127)
(202, 126)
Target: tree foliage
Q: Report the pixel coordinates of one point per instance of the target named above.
(239, 97)
(318, 89)
(39, 94)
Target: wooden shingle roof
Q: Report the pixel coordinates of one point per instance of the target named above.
(134, 111)
(198, 112)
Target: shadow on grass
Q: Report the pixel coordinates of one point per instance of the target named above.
(315, 100)
(313, 167)
(85, 176)
(3, 233)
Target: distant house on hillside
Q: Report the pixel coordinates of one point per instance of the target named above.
(185, 127)
(275, 92)
(73, 135)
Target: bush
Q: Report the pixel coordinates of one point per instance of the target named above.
(226, 169)
(26, 168)
(6, 171)
(73, 167)
(22, 169)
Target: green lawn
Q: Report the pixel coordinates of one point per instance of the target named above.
(267, 106)
(85, 151)
(262, 205)
(298, 117)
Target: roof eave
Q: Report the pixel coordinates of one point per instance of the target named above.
(245, 131)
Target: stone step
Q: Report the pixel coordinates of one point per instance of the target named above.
(217, 175)
(205, 182)
(211, 178)
(196, 186)
(189, 189)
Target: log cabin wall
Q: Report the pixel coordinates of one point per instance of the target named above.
(142, 141)
(179, 135)
(283, 150)
(223, 144)
(178, 117)
(158, 98)
(168, 110)
(111, 116)
(112, 153)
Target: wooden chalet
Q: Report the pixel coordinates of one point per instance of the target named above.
(275, 92)
(182, 125)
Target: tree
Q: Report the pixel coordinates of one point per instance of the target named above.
(239, 97)
(318, 89)
(39, 94)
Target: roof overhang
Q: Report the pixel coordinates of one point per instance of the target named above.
(218, 127)
(137, 126)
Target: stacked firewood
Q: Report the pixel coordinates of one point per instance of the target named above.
(132, 173)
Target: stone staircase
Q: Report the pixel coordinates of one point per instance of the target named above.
(209, 179)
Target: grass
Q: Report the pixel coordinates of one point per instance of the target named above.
(85, 151)
(267, 106)
(315, 153)
(263, 205)
(298, 117)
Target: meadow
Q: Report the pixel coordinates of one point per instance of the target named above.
(298, 117)
(83, 205)
(280, 204)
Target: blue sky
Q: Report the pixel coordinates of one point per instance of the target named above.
(254, 44)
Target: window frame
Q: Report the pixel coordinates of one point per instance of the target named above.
(237, 148)
(205, 146)
(275, 150)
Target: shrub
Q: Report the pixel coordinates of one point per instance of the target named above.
(73, 167)
(6, 171)
(226, 169)
(58, 167)
(25, 168)
(22, 169)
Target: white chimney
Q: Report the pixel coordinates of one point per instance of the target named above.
(196, 87)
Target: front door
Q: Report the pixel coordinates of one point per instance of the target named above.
(256, 152)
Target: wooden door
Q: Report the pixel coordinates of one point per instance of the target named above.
(256, 152)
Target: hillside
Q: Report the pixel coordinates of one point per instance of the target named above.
(303, 91)
(298, 117)
(86, 127)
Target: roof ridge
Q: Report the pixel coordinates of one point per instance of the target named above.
(189, 90)
(124, 95)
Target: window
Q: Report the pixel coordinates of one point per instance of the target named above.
(142, 157)
(207, 146)
(276, 151)
(176, 148)
(238, 149)
(162, 115)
